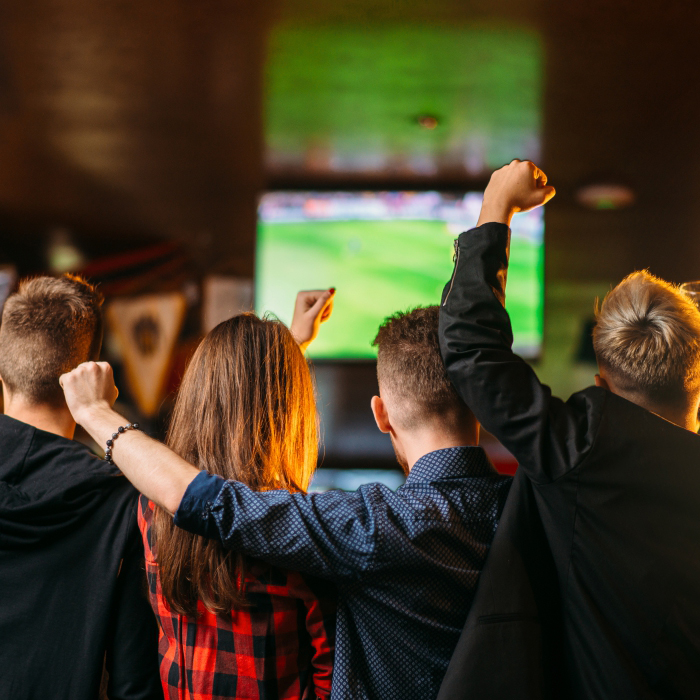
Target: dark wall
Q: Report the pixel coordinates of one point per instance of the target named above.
(622, 102)
(147, 117)
(120, 117)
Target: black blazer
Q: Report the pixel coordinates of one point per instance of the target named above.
(615, 490)
(511, 644)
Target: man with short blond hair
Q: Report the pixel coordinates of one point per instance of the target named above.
(72, 604)
(609, 481)
(647, 343)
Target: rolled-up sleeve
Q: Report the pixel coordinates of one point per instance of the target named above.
(194, 512)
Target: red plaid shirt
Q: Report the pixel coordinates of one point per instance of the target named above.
(278, 648)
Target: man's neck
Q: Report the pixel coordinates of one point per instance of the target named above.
(680, 415)
(418, 445)
(683, 414)
(52, 419)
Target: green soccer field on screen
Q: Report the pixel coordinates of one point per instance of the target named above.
(384, 252)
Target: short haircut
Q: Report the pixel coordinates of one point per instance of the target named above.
(410, 370)
(647, 337)
(49, 326)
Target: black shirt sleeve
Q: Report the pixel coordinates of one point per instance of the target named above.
(132, 646)
(547, 436)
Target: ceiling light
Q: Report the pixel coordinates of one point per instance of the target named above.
(605, 195)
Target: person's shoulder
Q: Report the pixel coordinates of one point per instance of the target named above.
(46, 446)
(145, 513)
(80, 467)
(590, 396)
(66, 462)
(586, 408)
(628, 418)
(64, 479)
(77, 456)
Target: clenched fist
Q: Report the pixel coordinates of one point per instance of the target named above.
(88, 387)
(518, 186)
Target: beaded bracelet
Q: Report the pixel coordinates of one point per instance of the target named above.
(110, 442)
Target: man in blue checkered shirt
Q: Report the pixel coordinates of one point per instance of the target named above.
(406, 563)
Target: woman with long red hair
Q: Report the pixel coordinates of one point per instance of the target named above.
(232, 627)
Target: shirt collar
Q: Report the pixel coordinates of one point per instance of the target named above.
(451, 462)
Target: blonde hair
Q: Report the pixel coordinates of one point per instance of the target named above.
(245, 411)
(647, 336)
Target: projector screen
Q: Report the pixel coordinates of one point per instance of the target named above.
(383, 252)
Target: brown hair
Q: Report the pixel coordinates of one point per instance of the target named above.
(411, 371)
(49, 326)
(647, 336)
(245, 411)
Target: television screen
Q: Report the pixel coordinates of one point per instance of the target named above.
(383, 252)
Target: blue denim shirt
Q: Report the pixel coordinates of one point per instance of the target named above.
(406, 563)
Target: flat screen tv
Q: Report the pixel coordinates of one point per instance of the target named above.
(383, 252)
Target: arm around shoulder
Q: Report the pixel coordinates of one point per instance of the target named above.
(332, 535)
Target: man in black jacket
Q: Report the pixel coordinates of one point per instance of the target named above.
(609, 480)
(72, 598)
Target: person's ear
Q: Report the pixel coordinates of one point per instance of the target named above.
(381, 417)
(602, 383)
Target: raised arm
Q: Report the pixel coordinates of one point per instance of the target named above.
(311, 308)
(546, 435)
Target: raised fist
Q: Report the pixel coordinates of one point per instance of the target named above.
(518, 186)
(312, 308)
(88, 386)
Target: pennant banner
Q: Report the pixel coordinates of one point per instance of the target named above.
(146, 329)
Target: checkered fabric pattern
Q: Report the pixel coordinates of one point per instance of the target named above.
(406, 562)
(277, 648)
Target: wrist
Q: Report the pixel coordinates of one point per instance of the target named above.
(92, 417)
(302, 338)
(495, 213)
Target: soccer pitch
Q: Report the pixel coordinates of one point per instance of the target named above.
(378, 268)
